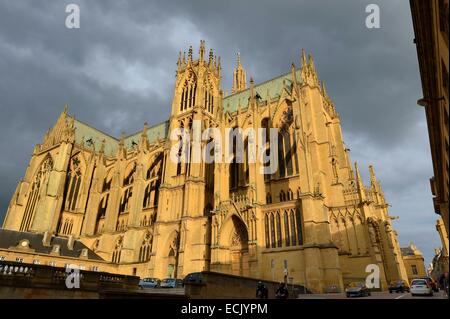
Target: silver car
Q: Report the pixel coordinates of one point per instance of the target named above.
(171, 283)
(421, 287)
(149, 283)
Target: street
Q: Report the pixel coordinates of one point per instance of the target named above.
(375, 295)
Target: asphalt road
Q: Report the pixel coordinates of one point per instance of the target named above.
(375, 295)
(170, 291)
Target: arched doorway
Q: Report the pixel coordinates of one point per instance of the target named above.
(171, 263)
(238, 246)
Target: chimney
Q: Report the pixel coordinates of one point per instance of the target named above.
(70, 242)
(47, 239)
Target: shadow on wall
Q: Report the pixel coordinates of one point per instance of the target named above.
(223, 286)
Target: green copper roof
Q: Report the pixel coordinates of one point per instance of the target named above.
(85, 133)
(157, 131)
(274, 87)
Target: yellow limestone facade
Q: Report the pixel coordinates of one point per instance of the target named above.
(313, 220)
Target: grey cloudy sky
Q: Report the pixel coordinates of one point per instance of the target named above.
(117, 71)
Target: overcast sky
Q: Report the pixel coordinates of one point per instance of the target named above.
(117, 71)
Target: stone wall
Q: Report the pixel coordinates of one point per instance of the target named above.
(26, 281)
(223, 286)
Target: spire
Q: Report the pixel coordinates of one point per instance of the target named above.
(375, 184)
(219, 66)
(190, 54)
(210, 61)
(145, 130)
(304, 68)
(308, 71)
(324, 91)
(179, 62)
(294, 75)
(122, 139)
(360, 184)
(239, 76)
(252, 100)
(358, 175)
(373, 178)
(102, 147)
(201, 51)
(303, 59)
(311, 65)
(122, 151)
(66, 126)
(143, 142)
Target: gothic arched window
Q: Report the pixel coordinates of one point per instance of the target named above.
(40, 178)
(144, 221)
(188, 94)
(70, 227)
(272, 231)
(63, 227)
(246, 163)
(146, 202)
(281, 156)
(278, 222)
(128, 192)
(286, 228)
(282, 196)
(102, 206)
(265, 126)
(287, 148)
(268, 198)
(293, 228)
(116, 255)
(299, 226)
(73, 184)
(146, 248)
(290, 195)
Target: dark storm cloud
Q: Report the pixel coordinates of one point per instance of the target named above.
(117, 71)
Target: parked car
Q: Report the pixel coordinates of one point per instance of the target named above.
(421, 287)
(433, 284)
(398, 286)
(149, 283)
(171, 283)
(195, 277)
(357, 289)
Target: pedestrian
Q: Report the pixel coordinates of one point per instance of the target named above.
(261, 291)
(446, 283)
(282, 292)
(442, 281)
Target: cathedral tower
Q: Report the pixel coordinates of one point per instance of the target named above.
(187, 192)
(239, 77)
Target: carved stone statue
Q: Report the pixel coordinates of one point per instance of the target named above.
(372, 233)
(388, 227)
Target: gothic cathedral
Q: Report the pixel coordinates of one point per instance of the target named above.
(313, 219)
